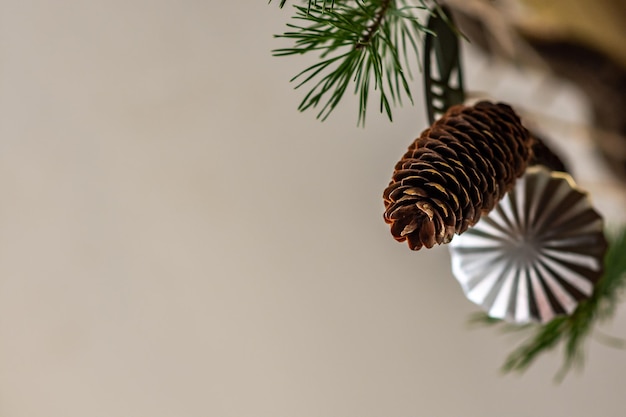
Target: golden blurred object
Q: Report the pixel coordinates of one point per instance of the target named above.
(599, 24)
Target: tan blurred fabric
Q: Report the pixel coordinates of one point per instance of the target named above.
(600, 24)
(177, 240)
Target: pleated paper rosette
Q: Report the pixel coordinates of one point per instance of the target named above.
(537, 254)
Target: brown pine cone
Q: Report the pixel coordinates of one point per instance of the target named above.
(457, 169)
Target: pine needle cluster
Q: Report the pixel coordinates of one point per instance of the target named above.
(362, 46)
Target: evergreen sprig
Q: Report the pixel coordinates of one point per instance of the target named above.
(362, 45)
(571, 331)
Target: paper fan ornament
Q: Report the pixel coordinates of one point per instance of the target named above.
(536, 255)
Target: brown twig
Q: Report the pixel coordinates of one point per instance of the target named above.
(374, 25)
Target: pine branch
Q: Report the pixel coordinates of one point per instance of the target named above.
(362, 45)
(573, 330)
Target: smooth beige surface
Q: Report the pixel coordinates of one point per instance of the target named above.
(177, 240)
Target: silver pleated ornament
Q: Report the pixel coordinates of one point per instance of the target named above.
(536, 255)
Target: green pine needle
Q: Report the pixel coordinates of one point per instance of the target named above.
(324, 3)
(362, 45)
(572, 331)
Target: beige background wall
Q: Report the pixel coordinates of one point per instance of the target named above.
(177, 240)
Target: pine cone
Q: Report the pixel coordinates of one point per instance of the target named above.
(457, 169)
